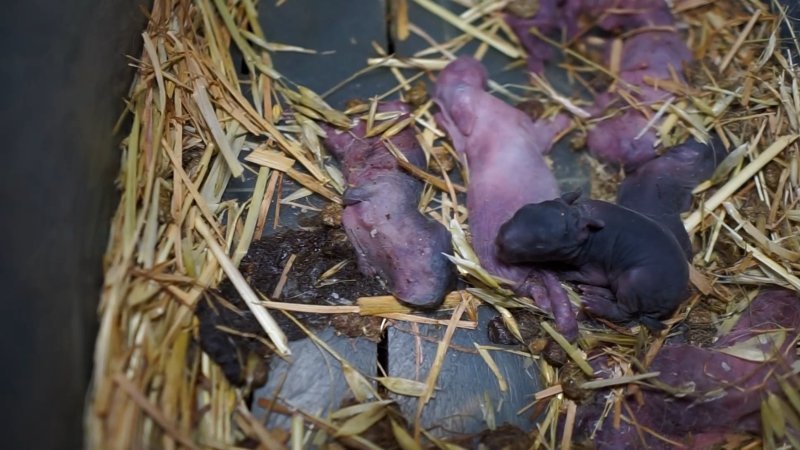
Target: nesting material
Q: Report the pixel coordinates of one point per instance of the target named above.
(173, 237)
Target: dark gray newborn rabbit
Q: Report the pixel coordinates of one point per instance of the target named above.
(631, 267)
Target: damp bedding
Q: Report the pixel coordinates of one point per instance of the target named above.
(311, 266)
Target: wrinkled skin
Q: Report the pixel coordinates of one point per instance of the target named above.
(727, 391)
(553, 16)
(504, 152)
(621, 139)
(662, 188)
(632, 268)
(498, 140)
(620, 15)
(548, 21)
(652, 54)
(393, 239)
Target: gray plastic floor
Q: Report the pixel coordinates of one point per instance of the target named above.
(467, 392)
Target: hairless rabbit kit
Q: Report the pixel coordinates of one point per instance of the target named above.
(455, 224)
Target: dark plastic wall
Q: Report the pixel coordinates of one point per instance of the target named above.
(792, 8)
(62, 80)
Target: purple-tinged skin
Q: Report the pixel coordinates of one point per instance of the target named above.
(617, 141)
(392, 238)
(662, 187)
(504, 150)
(622, 139)
(548, 21)
(557, 16)
(631, 267)
(727, 391)
(621, 15)
(651, 54)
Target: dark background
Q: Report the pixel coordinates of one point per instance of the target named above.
(63, 78)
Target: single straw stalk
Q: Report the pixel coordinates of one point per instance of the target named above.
(738, 181)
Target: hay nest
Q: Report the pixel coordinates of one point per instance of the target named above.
(174, 238)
